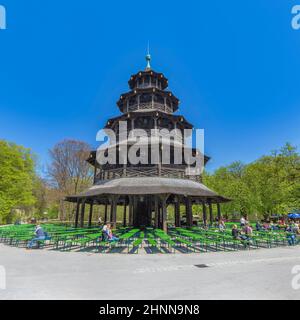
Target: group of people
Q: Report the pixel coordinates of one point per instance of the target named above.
(244, 233)
(41, 235)
(291, 228)
(107, 234)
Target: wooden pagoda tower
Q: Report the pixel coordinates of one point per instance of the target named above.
(146, 190)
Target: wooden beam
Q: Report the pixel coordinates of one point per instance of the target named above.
(82, 213)
(156, 205)
(77, 213)
(91, 213)
(204, 214)
(95, 172)
(211, 217)
(105, 213)
(113, 210)
(188, 212)
(131, 202)
(163, 201)
(164, 214)
(177, 213)
(219, 211)
(124, 214)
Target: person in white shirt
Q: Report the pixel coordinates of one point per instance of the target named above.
(243, 221)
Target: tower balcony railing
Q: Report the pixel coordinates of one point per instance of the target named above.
(153, 171)
(148, 85)
(150, 106)
(178, 137)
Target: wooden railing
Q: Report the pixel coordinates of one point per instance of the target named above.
(149, 106)
(146, 172)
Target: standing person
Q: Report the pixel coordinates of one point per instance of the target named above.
(40, 235)
(242, 221)
(99, 221)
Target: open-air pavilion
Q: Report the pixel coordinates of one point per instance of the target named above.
(145, 201)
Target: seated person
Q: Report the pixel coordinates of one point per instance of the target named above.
(105, 232)
(296, 228)
(246, 233)
(40, 235)
(291, 238)
(258, 226)
(235, 232)
(273, 226)
(247, 230)
(222, 226)
(289, 228)
(111, 237)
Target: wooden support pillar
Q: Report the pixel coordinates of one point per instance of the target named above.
(95, 173)
(91, 213)
(110, 210)
(177, 213)
(105, 213)
(82, 213)
(157, 218)
(113, 211)
(211, 217)
(125, 170)
(131, 200)
(164, 224)
(160, 222)
(204, 214)
(124, 214)
(219, 211)
(188, 212)
(77, 213)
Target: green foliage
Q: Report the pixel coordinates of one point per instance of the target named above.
(270, 185)
(16, 179)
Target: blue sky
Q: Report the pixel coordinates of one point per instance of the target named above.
(233, 64)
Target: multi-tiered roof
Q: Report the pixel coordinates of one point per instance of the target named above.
(149, 187)
(148, 105)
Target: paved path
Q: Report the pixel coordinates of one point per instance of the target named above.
(44, 274)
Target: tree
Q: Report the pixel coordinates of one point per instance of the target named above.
(229, 181)
(274, 180)
(69, 171)
(17, 174)
(269, 185)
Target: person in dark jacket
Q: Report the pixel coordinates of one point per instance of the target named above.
(235, 232)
